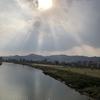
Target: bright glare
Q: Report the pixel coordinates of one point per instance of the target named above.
(45, 4)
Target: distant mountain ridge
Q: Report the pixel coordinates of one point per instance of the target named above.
(61, 58)
(33, 57)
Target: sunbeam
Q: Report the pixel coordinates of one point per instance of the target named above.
(50, 26)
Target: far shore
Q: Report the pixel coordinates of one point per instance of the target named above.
(0, 63)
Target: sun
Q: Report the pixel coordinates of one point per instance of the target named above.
(45, 4)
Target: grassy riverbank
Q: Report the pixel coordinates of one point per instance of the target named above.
(87, 85)
(87, 71)
(83, 83)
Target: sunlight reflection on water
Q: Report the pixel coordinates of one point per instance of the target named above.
(18, 82)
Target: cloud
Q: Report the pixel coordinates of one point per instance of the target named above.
(84, 50)
(68, 25)
(69, 2)
(90, 19)
(36, 3)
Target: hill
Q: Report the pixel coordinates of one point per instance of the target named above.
(61, 58)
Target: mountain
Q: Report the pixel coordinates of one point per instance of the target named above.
(33, 57)
(66, 58)
(61, 58)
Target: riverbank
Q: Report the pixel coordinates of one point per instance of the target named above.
(87, 85)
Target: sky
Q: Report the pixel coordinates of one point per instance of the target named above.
(50, 27)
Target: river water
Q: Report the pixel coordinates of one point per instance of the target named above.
(18, 82)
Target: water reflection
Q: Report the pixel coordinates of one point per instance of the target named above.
(18, 82)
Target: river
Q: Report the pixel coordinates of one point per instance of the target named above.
(18, 82)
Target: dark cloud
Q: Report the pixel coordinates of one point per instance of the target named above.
(69, 2)
(91, 33)
(65, 40)
(37, 24)
(35, 3)
(42, 26)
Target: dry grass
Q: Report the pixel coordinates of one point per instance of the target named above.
(86, 71)
(46, 65)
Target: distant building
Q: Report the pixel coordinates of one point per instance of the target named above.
(90, 62)
(86, 63)
(45, 60)
(80, 63)
(1, 58)
(98, 64)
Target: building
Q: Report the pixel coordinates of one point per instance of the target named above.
(98, 64)
(80, 63)
(85, 63)
(1, 58)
